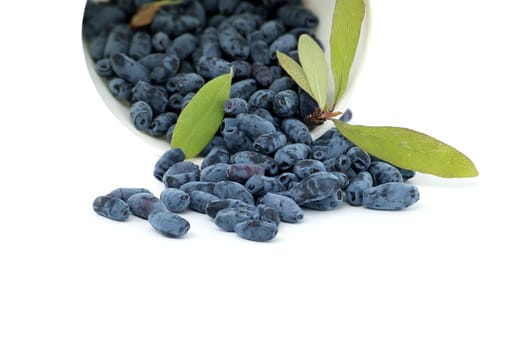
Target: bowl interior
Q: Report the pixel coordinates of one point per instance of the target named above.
(323, 9)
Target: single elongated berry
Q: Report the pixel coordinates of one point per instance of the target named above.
(283, 43)
(209, 43)
(288, 210)
(126, 192)
(282, 84)
(234, 44)
(96, 46)
(235, 106)
(360, 160)
(143, 204)
(184, 83)
(183, 45)
(167, 159)
(329, 203)
(141, 115)
(169, 224)
(182, 168)
(296, 131)
(314, 187)
(384, 172)
(390, 196)
(128, 69)
(118, 40)
(233, 190)
(213, 207)
(262, 74)
(241, 69)
(256, 230)
(354, 191)
(306, 167)
(215, 173)
(112, 208)
(160, 41)
(253, 125)
(271, 30)
(120, 89)
(285, 104)
(199, 200)
(103, 68)
(140, 45)
(290, 154)
(210, 67)
(259, 51)
(175, 200)
(269, 143)
(255, 158)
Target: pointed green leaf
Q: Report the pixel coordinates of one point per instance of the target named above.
(346, 26)
(409, 149)
(295, 71)
(202, 117)
(315, 67)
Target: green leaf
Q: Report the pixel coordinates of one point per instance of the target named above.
(295, 71)
(201, 118)
(315, 67)
(345, 33)
(409, 149)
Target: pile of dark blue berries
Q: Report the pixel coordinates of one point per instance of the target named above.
(263, 166)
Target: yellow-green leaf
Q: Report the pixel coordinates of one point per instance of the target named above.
(315, 67)
(295, 71)
(410, 149)
(202, 117)
(345, 34)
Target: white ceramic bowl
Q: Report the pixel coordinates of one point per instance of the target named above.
(322, 8)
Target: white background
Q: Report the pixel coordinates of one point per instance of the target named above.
(448, 273)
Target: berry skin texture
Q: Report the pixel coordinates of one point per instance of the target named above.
(354, 191)
(256, 230)
(144, 204)
(329, 203)
(384, 172)
(169, 224)
(199, 200)
(112, 208)
(233, 190)
(290, 154)
(285, 104)
(215, 173)
(166, 160)
(288, 210)
(314, 188)
(213, 207)
(175, 200)
(128, 69)
(126, 192)
(296, 131)
(141, 115)
(390, 196)
(269, 143)
(228, 218)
